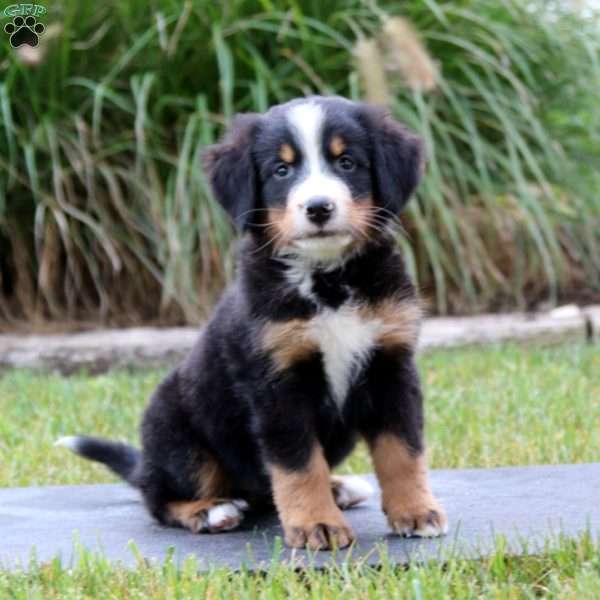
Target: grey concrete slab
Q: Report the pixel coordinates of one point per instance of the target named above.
(525, 504)
(146, 347)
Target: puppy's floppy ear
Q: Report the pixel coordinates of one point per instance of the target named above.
(230, 169)
(398, 159)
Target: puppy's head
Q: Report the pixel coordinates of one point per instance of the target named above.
(316, 176)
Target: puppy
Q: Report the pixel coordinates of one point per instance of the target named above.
(309, 349)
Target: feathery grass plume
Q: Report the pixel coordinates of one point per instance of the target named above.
(371, 71)
(408, 54)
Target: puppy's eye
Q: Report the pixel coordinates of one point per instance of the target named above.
(345, 163)
(282, 171)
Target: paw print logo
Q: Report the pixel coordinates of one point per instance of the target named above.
(24, 31)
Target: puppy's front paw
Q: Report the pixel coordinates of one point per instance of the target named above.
(324, 533)
(417, 518)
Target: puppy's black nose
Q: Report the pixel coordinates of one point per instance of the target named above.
(319, 210)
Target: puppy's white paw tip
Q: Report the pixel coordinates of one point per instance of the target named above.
(352, 490)
(226, 516)
(426, 530)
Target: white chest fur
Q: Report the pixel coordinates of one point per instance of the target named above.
(345, 340)
(345, 336)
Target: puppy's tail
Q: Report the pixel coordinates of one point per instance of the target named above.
(121, 459)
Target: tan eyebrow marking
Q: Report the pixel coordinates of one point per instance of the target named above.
(286, 153)
(337, 145)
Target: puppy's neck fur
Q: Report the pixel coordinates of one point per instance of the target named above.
(292, 287)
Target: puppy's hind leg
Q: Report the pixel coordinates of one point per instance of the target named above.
(208, 515)
(350, 490)
(212, 510)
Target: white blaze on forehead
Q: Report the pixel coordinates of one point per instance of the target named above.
(307, 121)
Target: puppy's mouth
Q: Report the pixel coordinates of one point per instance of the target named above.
(320, 246)
(318, 235)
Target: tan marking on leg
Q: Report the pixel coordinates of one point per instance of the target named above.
(212, 480)
(401, 321)
(337, 146)
(213, 490)
(207, 515)
(306, 507)
(286, 153)
(407, 499)
(191, 514)
(288, 342)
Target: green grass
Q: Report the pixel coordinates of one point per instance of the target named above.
(571, 570)
(505, 405)
(501, 405)
(104, 213)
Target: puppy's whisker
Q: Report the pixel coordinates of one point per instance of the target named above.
(271, 240)
(267, 224)
(375, 208)
(385, 222)
(390, 215)
(253, 210)
(379, 227)
(362, 225)
(374, 219)
(274, 239)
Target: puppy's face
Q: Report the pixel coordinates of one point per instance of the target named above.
(315, 176)
(314, 173)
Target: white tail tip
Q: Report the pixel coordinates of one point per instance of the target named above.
(68, 441)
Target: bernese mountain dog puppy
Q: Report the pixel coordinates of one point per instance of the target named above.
(310, 348)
